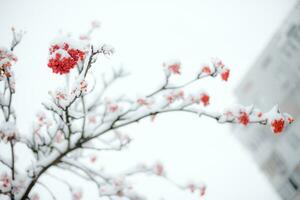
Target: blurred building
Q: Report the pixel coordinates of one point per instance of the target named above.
(275, 79)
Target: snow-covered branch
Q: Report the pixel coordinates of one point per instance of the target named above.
(80, 118)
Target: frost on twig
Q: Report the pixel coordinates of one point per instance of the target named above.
(79, 120)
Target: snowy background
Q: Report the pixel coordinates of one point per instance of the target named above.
(144, 34)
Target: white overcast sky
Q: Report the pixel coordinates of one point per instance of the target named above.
(144, 34)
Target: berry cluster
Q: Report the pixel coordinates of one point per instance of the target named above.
(7, 58)
(5, 182)
(63, 58)
(221, 68)
(172, 67)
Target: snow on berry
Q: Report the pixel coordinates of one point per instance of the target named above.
(80, 86)
(5, 182)
(158, 169)
(243, 118)
(291, 120)
(96, 24)
(172, 67)
(288, 118)
(142, 102)
(60, 94)
(219, 68)
(237, 113)
(217, 62)
(277, 125)
(278, 121)
(199, 96)
(35, 197)
(113, 108)
(174, 95)
(41, 117)
(61, 97)
(179, 94)
(77, 195)
(225, 74)
(118, 186)
(204, 99)
(145, 101)
(64, 56)
(8, 131)
(59, 136)
(93, 158)
(259, 114)
(7, 59)
(202, 191)
(206, 70)
(92, 119)
(170, 99)
(193, 188)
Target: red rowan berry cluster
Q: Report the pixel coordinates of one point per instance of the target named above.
(63, 58)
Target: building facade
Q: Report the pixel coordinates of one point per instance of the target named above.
(275, 79)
